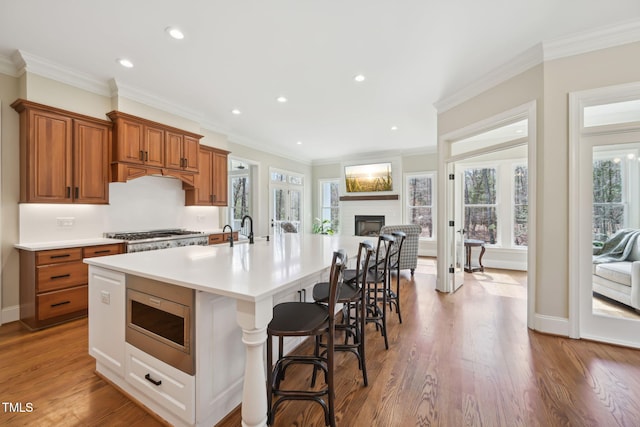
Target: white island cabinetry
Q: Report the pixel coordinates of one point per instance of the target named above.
(235, 290)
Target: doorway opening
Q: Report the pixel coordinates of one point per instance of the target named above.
(489, 197)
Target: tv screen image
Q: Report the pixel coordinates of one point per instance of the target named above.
(368, 178)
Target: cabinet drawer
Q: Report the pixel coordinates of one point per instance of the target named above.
(58, 255)
(171, 388)
(58, 303)
(102, 250)
(58, 276)
(214, 239)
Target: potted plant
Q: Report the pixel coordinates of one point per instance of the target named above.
(322, 226)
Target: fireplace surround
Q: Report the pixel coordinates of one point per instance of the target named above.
(368, 225)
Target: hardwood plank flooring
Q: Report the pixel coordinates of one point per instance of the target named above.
(465, 359)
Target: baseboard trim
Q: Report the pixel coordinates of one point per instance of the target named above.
(551, 325)
(10, 314)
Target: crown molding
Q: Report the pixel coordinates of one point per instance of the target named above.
(8, 66)
(601, 38)
(51, 70)
(521, 63)
(118, 89)
(588, 41)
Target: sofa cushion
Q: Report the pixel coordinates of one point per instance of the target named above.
(634, 255)
(619, 272)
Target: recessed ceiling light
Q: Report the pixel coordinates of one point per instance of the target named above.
(359, 78)
(125, 62)
(236, 112)
(175, 33)
(394, 127)
(299, 142)
(281, 99)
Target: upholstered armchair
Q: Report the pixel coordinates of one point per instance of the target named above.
(409, 255)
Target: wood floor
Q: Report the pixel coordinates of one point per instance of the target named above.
(465, 359)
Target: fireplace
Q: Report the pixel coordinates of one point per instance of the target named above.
(368, 225)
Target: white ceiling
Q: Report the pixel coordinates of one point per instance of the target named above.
(244, 54)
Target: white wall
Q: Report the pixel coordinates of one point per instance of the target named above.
(144, 203)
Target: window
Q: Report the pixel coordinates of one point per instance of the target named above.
(608, 197)
(480, 207)
(286, 198)
(239, 205)
(520, 205)
(420, 202)
(329, 204)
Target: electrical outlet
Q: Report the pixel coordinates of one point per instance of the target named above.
(200, 218)
(65, 221)
(105, 297)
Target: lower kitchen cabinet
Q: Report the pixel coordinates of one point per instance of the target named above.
(217, 238)
(169, 387)
(53, 283)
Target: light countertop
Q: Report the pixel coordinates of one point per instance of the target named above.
(246, 272)
(61, 244)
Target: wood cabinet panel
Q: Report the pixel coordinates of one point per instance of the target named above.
(58, 255)
(64, 302)
(53, 283)
(219, 179)
(103, 250)
(154, 146)
(210, 187)
(64, 156)
(159, 148)
(60, 276)
(217, 238)
(91, 165)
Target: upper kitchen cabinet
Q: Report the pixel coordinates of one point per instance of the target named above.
(143, 147)
(64, 156)
(210, 187)
(182, 152)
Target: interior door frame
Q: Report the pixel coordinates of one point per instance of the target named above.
(582, 322)
(445, 159)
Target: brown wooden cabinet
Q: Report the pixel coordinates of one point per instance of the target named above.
(182, 152)
(64, 156)
(143, 147)
(217, 238)
(210, 188)
(53, 283)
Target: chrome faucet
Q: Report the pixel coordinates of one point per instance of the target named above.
(250, 229)
(230, 234)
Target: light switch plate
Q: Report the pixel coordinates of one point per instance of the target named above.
(65, 221)
(105, 297)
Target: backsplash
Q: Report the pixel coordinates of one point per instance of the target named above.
(144, 203)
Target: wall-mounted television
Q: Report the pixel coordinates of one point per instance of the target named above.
(368, 178)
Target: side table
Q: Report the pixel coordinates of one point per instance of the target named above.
(468, 244)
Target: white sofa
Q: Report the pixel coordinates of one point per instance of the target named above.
(620, 280)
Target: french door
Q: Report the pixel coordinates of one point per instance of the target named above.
(285, 202)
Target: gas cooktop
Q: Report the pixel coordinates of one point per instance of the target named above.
(151, 234)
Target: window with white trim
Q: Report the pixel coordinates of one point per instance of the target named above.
(420, 202)
(329, 205)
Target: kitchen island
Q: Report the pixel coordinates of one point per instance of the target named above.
(241, 282)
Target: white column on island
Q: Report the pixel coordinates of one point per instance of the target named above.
(253, 318)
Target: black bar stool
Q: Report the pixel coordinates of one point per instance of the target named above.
(393, 296)
(353, 297)
(305, 319)
(377, 283)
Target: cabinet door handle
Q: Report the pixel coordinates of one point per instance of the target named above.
(68, 192)
(151, 380)
(211, 197)
(141, 155)
(103, 251)
(77, 192)
(146, 156)
(60, 303)
(62, 276)
(60, 256)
